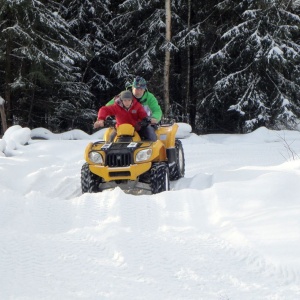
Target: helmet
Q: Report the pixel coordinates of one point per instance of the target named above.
(139, 83)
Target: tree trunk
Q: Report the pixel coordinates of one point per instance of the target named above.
(188, 77)
(167, 58)
(3, 116)
(193, 99)
(32, 99)
(7, 83)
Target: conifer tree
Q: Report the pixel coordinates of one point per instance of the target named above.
(140, 28)
(39, 62)
(257, 68)
(191, 36)
(89, 22)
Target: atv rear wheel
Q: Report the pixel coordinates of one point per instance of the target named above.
(177, 171)
(160, 180)
(89, 181)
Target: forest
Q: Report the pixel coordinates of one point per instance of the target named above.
(234, 65)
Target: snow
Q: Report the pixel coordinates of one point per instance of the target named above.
(230, 229)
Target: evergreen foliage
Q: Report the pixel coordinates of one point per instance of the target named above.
(41, 60)
(139, 28)
(256, 69)
(234, 64)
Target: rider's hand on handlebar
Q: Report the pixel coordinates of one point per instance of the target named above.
(145, 122)
(99, 123)
(110, 121)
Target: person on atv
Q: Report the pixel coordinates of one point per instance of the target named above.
(127, 109)
(147, 99)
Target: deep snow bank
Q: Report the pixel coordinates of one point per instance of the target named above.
(16, 137)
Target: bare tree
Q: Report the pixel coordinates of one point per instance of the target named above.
(8, 76)
(188, 78)
(167, 58)
(3, 116)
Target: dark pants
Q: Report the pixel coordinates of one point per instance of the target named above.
(148, 133)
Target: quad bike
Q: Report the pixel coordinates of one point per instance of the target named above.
(131, 163)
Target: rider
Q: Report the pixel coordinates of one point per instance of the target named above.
(147, 99)
(126, 109)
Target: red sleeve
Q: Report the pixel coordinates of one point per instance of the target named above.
(106, 111)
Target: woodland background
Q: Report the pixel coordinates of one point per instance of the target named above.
(234, 65)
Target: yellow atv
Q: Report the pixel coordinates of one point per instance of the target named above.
(133, 164)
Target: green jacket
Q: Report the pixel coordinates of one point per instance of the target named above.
(150, 104)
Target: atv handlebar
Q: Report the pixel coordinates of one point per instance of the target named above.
(145, 122)
(109, 122)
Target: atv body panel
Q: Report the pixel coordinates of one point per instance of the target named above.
(123, 159)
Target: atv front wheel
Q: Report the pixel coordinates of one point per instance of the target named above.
(89, 181)
(178, 169)
(160, 180)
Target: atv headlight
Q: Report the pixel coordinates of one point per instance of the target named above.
(96, 157)
(143, 155)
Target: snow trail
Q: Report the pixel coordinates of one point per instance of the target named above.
(228, 230)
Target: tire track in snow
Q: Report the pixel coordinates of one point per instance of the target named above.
(126, 247)
(53, 181)
(121, 243)
(151, 252)
(288, 274)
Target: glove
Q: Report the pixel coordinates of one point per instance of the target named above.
(145, 122)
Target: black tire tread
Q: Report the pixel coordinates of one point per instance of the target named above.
(158, 178)
(89, 181)
(178, 170)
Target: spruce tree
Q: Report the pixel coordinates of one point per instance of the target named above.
(140, 31)
(256, 71)
(40, 60)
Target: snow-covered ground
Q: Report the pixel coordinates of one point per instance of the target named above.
(228, 230)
